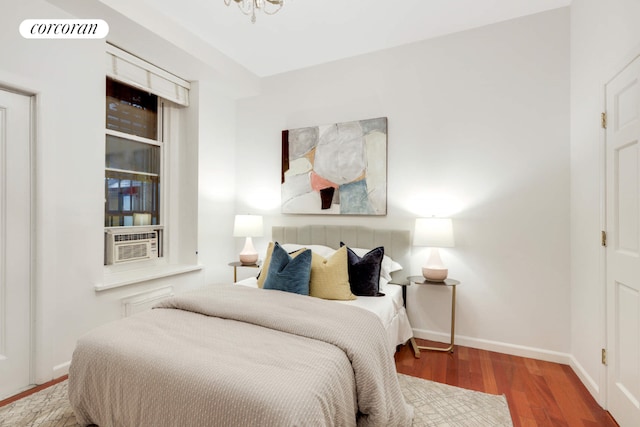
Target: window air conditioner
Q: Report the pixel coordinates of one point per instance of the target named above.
(131, 245)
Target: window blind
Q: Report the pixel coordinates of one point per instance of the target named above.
(129, 69)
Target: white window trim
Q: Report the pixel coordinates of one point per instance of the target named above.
(129, 69)
(121, 66)
(132, 137)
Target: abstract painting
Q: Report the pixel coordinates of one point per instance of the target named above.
(338, 169)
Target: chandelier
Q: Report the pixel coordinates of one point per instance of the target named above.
(249, 7)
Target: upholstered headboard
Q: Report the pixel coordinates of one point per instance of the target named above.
(396, 243)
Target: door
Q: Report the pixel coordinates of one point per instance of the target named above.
(623, 248)
(15, 242)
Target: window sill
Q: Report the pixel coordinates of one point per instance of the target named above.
(130, 277)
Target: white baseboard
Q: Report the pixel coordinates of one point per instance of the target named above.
(61, 369)
(517, 350)
(587, 380)
(500, 347)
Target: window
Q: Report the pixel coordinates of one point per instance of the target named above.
(133, 157)
(151, 174)
(133, 164)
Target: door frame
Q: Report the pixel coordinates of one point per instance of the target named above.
(613, 72)
(33, 126)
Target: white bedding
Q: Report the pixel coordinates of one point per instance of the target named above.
(389, 309)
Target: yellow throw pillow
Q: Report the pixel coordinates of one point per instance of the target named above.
(330, 277)
(265, 265)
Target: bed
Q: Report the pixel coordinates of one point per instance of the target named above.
(390, 308)
(231, 355)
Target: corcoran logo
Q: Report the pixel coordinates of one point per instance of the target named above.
(64, 29)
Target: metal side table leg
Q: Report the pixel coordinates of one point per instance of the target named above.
(453, 327)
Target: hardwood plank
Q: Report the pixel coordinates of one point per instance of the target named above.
(573, 407)
(542, 398)
(519, 405)
(527, 422)
(532, 366)
(488, 375)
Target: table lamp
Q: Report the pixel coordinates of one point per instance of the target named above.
(434, 233)
(248, 226)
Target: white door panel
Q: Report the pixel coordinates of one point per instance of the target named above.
(623, 249)
(15, 242)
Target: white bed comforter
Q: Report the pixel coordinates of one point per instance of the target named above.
(236, 356)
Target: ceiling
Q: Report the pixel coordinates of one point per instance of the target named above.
(311, 32)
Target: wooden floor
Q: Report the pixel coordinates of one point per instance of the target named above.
(539, 393)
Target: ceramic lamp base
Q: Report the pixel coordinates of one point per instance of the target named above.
(434, 270)
(248, 255)
(435, 274)
(249, 259)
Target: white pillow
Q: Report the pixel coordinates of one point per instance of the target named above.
(323, 251)
(388, 265)
(382, 283)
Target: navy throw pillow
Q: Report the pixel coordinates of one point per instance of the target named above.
(289, 274)
(364, 272)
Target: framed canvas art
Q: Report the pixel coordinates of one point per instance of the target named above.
(338, 169)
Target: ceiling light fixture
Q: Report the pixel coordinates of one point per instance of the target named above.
(249, 7)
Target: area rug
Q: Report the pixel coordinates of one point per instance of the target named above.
(441, 405)
(435, 404)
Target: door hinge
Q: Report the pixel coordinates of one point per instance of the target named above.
(603, 120)
(603, 238)
(604, 356)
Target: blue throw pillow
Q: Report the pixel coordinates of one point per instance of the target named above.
(364, 272)
(289, 274)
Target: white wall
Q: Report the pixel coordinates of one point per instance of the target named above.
(604, 35)
(216, 187)
(479, 117)
(68, 78)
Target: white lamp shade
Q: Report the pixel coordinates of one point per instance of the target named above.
(248, 226)
(433, 232)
